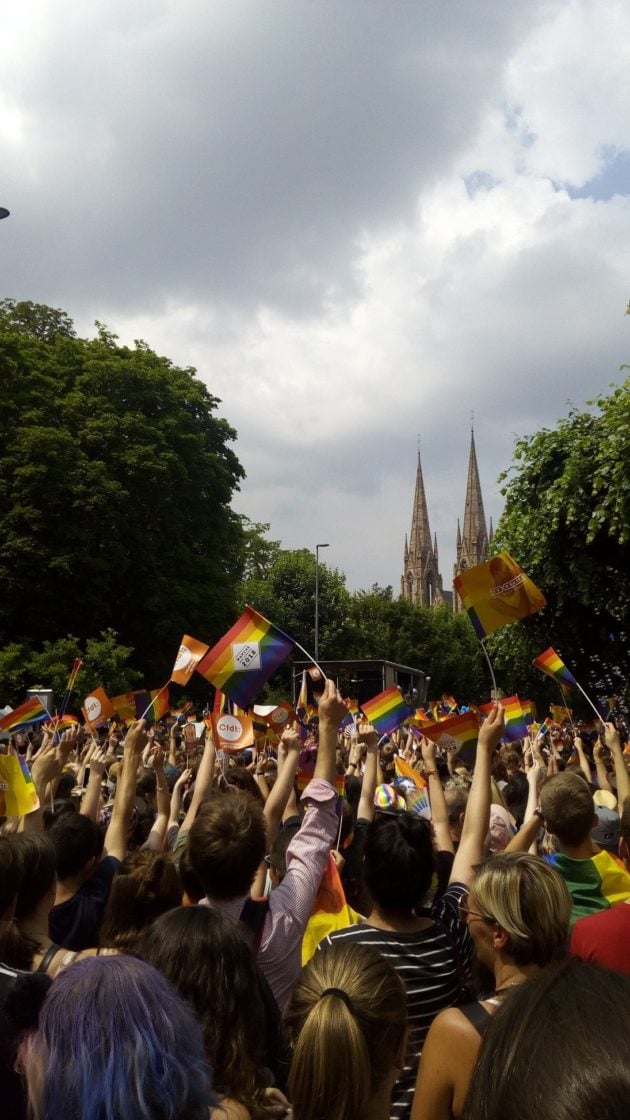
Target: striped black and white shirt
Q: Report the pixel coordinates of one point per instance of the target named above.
(431, 964)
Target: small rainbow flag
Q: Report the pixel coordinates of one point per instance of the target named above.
(545, 726)
(62, 723)
(152, 706)
(353, 713)
(458, 734)
(31, 711)
(386, 711)
(529, 711)
(550, 663)
(450, 703)
(560, 714)
(241, 662)
(515, 725)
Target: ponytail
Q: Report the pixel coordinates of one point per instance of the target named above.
(347, 1020)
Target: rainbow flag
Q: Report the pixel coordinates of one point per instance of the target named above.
(594, 884)
(549, 663)
(497, 593)
(241, 662)
(449, 703)
(515, 724)
(157, 702)
(460, 734)
(386, 711)
(529, 711)
(353, 713)
(545, 726)
(560, 714)
(62, 723)
(17, 789)
(31, 711)
(406, 772)
(220, 702)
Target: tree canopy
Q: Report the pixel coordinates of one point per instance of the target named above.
(116, 477)
(567, 521)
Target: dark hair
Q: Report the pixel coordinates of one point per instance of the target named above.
(516, 793)
(226, 844)
(147, 885)
(208, 958)
(353, 792)
(191, 884)
(15, 950)
(279, 847)
(347, 1019)
(77, 840)
(38, 870)
(624, 826)
(571, 1026)
(567, 804)
(115, 1039)
(398, 856)
(238, 780)
(65, 786)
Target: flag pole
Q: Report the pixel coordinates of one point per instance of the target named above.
(494, 680)
(566, 708)
(308, 656)
(589, 701)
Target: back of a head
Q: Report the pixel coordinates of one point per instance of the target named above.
(347, 1021)
(147, 885)
(557, 1049)
(530, 901)
(38, 871)
(208, 958)
(398, 856)
(567, 805)
(77, 840)
(115, 1039)
(13, 949)
(456, 801)
(226, 844)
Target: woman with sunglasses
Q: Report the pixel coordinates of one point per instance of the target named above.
(518, 915)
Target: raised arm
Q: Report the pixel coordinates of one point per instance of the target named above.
(116, 835)
(584, 766)
(203, 781)
(368, 735)
(439, 810)
(176, 797)
(277, 801)
(331, 712)
(477, 819)
(600, 768)
(613, 742)
(92, 796)
(157, 835)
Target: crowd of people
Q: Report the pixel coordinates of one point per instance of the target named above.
(185, 934)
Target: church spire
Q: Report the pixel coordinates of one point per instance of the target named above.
(421, 581)
(420, 540)
(475, 535)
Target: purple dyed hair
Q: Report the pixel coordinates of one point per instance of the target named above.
(114, 1041)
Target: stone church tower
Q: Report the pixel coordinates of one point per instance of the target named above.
(473, 544)
(421, 581)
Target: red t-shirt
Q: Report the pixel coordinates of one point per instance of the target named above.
(604, 938)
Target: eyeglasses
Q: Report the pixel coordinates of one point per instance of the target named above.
(465, 913)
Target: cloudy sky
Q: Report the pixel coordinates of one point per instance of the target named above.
(361, 220)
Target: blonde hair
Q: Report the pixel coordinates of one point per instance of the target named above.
(529, 900)
(346, 1021)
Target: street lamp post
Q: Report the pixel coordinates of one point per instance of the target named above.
(317, 548)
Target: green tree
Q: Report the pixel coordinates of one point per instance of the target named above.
(105, 662)
(116, 478)
(567, 522)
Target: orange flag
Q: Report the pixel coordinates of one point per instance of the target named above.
(97, 708)
(232, 733)
(497, 593)
(188, 657)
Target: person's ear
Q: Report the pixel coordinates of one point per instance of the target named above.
(401, 1050)
(500, 939)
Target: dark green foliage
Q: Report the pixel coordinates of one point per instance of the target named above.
(115, 485)
(567, 522)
